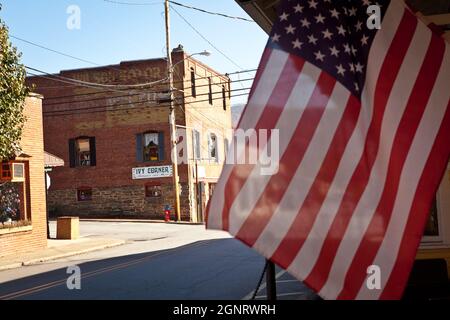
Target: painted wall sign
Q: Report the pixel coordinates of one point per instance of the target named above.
(152, 172)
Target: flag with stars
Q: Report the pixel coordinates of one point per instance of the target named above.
(361, 111)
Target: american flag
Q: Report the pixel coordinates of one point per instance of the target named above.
(363, 118)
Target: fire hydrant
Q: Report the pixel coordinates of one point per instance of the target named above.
(167, 213)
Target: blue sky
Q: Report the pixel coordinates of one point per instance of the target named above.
(111, 33)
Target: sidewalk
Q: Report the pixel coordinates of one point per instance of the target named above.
(139, 221)
(58, 249)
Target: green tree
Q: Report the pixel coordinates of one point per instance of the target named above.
(13, 92)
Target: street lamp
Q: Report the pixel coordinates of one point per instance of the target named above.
(202, 53)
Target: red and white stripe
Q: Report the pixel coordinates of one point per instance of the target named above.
(355, 178)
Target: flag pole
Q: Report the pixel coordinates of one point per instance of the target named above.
(271, 283)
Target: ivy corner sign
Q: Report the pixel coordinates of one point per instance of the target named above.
(152, 172)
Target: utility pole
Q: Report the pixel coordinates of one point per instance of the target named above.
(173, 132)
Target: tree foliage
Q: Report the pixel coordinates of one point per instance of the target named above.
(13, 92)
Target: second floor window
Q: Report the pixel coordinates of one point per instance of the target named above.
(150, 146)
(82, 152)
(212, 147)
(196, 144)
(225, 147)
(193, 89)
(210, 94)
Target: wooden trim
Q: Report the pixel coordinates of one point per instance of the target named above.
(439, 19)
(15, 230)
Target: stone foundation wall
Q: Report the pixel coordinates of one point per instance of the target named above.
(116, 202)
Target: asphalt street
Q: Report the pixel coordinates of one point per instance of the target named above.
(159, 261)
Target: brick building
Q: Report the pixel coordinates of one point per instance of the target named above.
(115, 141)
(25, 175)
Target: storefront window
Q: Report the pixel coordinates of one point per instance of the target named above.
(10, 202)
(14, 194)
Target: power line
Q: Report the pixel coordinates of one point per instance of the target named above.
(101, 91)
(175, 82)
(86, 61)
(103, 107)
(65, 81)
(54, 51)
(204, 38)
(202, 114)
(101, 85)
(53, 114)
(181, 5)
(210, 12)
(130, 95)
(134, 3)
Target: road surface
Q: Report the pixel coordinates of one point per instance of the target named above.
(159, 261)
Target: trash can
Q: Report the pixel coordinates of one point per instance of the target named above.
(68, 228)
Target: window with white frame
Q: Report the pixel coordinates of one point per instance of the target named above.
(196, 144)
(226, 145)
(212, 147)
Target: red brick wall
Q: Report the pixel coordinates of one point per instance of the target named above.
(32, 145)
(114, 132)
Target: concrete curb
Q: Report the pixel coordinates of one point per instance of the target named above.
(60, 255)
(142, 221)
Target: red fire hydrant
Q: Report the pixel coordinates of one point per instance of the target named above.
(167, 214)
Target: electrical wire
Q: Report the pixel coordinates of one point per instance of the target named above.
(142, 94)
(66, 80)
(52, 114)
(134, 3)
(137, 102)
(210, 94)
(54, 51)
(105, 107)
(210, 12)
(101, 85)
(181, 5)
(52, 77)
(204, 38)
